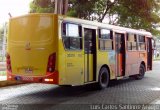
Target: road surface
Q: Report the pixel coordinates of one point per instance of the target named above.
(44, 96)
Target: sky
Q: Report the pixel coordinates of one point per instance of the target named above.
(15, 7)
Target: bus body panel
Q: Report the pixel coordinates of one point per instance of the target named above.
(106, 58)
(70, 63)
(61, 58)
(74, 68)
(132, 63)
(30, 43)
(35, 37)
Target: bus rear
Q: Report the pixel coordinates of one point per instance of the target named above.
(32, 48)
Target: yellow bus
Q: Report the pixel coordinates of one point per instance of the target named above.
(54, 49)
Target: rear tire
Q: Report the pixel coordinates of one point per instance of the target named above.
(103, 79)
(141, 72)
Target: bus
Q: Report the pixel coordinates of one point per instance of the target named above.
(55, 49)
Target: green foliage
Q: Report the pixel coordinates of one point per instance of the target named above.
(2, 73)
(102, 8)
(41, 6)
(81, 8)
(137, 14)
(89, 9)
(1, 34)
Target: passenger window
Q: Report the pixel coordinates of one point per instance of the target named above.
(72, 36)
(141, 42)
(132, 42)
(105, 39)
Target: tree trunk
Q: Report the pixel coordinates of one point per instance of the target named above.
(61, 7)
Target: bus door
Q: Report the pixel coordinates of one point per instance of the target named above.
(90, 54)
(120, 54)
(149, 53)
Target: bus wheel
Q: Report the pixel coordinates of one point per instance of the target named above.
(141, 72)
(103, 78)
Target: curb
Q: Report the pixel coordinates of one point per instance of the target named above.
(10, 83)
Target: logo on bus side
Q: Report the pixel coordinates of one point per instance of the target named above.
(28, 46)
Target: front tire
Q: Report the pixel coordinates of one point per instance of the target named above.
(103, 79)
(141, 72)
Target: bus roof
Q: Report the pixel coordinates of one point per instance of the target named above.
(92, 23)
(105, 25)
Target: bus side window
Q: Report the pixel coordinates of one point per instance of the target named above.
(72, 36)
(141, 42)
(105, 39)
(132, 42)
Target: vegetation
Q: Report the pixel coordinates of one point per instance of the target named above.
(1, 42)
(41, 6)
(2, 38)
(2, 73)
(157, 58)
(1, 31)
(138, 14)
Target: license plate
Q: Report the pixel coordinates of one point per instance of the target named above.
(27, 78)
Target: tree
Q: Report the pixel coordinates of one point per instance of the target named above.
(42, 6)
(49, 6)
(102, 8)
(1, 33)
(137, 14)
(76, 9)
(61, 6)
